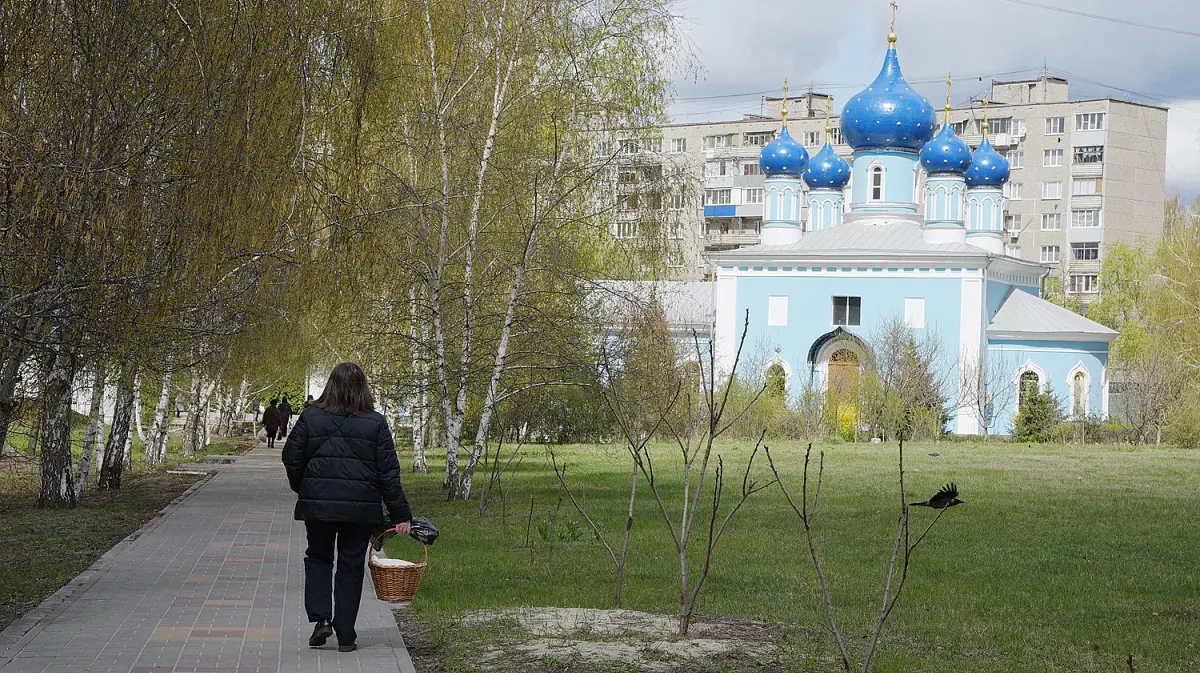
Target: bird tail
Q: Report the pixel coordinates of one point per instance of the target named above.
(920, 504)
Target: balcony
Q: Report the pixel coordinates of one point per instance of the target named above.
(716, 240)
(1087, 202)
(735, 152)
(1083, 266)
(1090, 170)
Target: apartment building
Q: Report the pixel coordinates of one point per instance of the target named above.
(1085, 174)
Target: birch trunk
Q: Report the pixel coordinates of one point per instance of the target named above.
(137, 409)
(8, 389)
(57, 482)
(114, 449)
(156, 447)
(192, 428)
(95, 430)
(417, 413)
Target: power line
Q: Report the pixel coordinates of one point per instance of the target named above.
(1111, 19)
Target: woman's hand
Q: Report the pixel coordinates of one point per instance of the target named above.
(403, 528)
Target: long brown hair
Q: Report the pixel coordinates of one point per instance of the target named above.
(347, 391)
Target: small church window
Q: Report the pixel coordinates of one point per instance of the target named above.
(1030, 385)
(847, 311)
(877, 183)
(1079, 395)
(776, 381)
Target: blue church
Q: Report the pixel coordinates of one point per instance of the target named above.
(910, 226)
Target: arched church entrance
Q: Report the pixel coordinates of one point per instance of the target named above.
(843, 370)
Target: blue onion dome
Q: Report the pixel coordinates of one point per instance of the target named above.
(946, 153)
(988, 167)
(827, 170)
(888, 114)
(783, 156)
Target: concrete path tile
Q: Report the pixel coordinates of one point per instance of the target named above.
(214, 585)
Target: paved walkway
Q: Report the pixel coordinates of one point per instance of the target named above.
(214, 585)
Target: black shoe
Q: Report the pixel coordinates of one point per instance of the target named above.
(347, 648)
(321, 633)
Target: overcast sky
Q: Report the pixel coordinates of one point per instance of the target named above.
(746, 48)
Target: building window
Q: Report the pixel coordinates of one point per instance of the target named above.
(777, 311)
(1089, 154)
(752, 195)
(812, 138)
(914, 312)
(1052, 158)
(679, 144)
(1051, 221)
(1013, 251)
(1050, 254)
(1012, 222)
(959, 128)
(1085, 186)
(1016, 158)
(847, 311)
(1051, 190)
(1055, 126)
(626, 175)
(1079, 395)
(877, 183)
(759, 138)
(1018, 128)
(715, 142)
(652, 201)
(653, 145)
(677, 202)
(1085, 252)
(604, 148)
(627, 230)
(1030, 384)
(717, 197)
(1088, 283)
(835, 136)
(1089, 121)
(1000, 125)
(714, 169)
(751, 168)
(1085, 219)
(627, 201)
(1014, 191)
(629, 146)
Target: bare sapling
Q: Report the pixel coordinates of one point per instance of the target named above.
(693, 426)
(900, 562)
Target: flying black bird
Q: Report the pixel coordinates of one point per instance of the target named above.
(947, 497)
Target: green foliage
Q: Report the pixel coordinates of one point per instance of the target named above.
(1038, 416)
(1124, 277)
(1183, 419)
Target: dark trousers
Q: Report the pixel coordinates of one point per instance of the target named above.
(341, 606)
(284, 427)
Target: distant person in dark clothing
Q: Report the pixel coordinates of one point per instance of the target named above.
(341, 461)
(272, 421)
(308, 402)
(285, 415)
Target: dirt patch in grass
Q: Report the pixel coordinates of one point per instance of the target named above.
(45, 548)
(577, 640)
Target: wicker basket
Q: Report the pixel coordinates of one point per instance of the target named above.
(396, 583)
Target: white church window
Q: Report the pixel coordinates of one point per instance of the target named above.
(847, 311)
(877, 183)
(777, 310)
(914, 312)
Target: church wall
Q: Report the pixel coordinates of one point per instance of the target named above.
(1056, 362)
(810, 310)
(899, 178)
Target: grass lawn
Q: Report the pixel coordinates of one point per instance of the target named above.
(1064, 558)
(45, 548)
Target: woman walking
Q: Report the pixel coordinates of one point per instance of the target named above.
(341, 461)
(271, 422)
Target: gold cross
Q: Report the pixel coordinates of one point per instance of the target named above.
(828, 111)
(895, 6)
(785, 101)
(949, 81)
(985, 119)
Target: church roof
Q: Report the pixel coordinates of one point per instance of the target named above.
(1024, 316)
(881, 236)
(687, 305)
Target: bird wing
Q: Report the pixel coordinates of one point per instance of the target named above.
(948, 492)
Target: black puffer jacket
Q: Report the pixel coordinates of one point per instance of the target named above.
(343, 466)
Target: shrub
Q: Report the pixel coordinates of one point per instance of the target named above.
(1038, 417)
(1183, 420)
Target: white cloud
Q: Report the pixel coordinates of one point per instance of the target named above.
(1183, 148)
